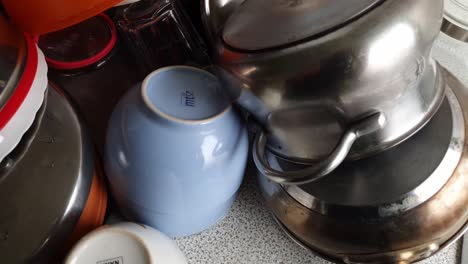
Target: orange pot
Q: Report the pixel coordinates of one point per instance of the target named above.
(95, 209)
(43, 16)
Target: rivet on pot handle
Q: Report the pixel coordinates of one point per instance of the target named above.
(367, 125)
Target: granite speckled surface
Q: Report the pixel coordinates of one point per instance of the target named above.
(250, 235)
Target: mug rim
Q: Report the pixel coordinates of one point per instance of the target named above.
(158, 112)
(120, 228)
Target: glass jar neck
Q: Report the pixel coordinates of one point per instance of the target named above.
(145, 9)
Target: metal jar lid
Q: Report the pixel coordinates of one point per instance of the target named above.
(44, 185)
(267, 24)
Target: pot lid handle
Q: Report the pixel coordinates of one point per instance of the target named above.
(316, 171)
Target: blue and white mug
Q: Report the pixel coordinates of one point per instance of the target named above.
(176, 151)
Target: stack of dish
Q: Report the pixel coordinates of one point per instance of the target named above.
(50, 188)
(22, 86)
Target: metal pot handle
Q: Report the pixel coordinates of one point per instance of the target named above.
(315, 171)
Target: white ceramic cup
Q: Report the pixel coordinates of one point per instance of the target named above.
(126, 243)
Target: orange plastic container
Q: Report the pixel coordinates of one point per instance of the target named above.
(95, 209)
(38, 17)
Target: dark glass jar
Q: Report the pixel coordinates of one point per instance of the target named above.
(87, 62)
(159, 33)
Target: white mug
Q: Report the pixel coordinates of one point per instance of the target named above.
(126, 243)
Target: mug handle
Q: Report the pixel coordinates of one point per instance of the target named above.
(365, 126)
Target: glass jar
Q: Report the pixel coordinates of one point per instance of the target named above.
(80, 48)
(159, 33)
(87, 62)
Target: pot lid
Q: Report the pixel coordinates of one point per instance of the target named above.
(13, 54)
(266, 24)
(44, 185)
(81, 45)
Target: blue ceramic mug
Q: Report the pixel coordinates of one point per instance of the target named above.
(176, 151)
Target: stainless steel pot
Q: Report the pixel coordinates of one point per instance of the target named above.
(44, 185)
(215, 13)
(330, 80)
(456, 19)
(399, 206)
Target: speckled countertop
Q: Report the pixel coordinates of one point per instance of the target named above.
(250, 235)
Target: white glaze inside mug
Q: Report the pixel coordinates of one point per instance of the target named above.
(185, 93)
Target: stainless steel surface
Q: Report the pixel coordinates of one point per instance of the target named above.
(310, 93)
(353, 232)
(283, 23)
(456, 19)
(396, 180)
(45, 185)
(455, 31)
(464, 253)
(444, 246)
(215, 14)
(314, 172)
(13, 55)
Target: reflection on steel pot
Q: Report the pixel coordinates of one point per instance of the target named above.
(46, 185)
(456, 19)
(399, 206)
(335, 66)
(215, 13)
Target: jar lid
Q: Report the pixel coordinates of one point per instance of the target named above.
(44, 184)
(80, 45)
(266, 24)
